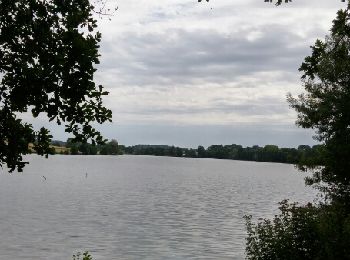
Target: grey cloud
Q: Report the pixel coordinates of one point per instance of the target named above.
(263, 106)
(180, 56)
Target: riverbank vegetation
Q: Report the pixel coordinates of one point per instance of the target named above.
(268, 153)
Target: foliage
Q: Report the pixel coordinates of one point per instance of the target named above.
(85, 256)
(201, 152)
(301, 232)
(159, 150)
(319, 231)
(325, 105)
(48, 53)
(110, 148)
(269, 153)
(278, 2)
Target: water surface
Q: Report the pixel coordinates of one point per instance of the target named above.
(138, 207)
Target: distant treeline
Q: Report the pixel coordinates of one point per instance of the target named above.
(110, 148)
(304, 154)
(268, 153)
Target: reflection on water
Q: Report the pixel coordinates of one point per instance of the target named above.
(138, 207)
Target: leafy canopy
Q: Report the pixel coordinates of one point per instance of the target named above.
(325, 106)
(319, 231)
(301, 232)
(48, 53)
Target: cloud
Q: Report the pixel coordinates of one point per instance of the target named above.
(179, 56)
(183, 63)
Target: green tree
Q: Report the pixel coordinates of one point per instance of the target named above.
(48, 53)
(113, 147)
(92, 149)
(301, 232)
(82, 256)
(84, 148)
(74, 149)
(178, 152)
(110, 148)
(326, 105)
(320, 231)
(201, 152)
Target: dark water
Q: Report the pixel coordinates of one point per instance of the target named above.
(138, 207)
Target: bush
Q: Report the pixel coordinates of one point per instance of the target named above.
(85, 256)
(301, 232)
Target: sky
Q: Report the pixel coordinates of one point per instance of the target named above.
(185, 73)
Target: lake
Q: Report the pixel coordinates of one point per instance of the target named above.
(138, 207)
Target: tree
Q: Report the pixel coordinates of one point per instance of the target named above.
(326, 105)
(111, 148)
(320, 231)
(74, 149)
(48, 53)
(82, 256)
(301, 232)
(201, 152)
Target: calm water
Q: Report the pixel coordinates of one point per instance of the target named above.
(138, 207)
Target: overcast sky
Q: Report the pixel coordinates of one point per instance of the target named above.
(185, 73)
